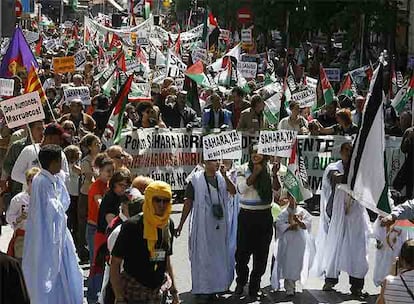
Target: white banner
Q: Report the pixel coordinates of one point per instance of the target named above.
(21, 110)
(225, 145)
(82, 93)
(6, 87)
(247, 69)
(276, 143)
(333, 74)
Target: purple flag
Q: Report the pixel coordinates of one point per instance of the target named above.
(18, 57)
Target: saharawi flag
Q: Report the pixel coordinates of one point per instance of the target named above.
(367, 178)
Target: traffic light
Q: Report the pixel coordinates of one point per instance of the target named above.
(7, 17)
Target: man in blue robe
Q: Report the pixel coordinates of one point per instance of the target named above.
(50, 263)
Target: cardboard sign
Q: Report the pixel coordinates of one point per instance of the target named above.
(64, 64)
(22, 110)
(81, 93)
(276, 143)
(247, 69)
(312, 83)
(6, 87)
(247, 36)
(225, 145)
(80, 60)
(333, 74)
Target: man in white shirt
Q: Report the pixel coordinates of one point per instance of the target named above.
(28, 158)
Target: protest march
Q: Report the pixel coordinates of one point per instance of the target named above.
(269, 150)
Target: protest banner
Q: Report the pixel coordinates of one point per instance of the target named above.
(306, 97)
(22, 110)
(64, 64)
(276, 143)
(224, 145)
(247, 69)
(311, 83)
(333, 74)
(80, 60)
(162, 154)
(6, 87)
(81, 93)
(224, 35)
(172, 154)
(175, 67)
(51, 44)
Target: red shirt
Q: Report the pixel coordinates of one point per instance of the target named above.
(97, 188)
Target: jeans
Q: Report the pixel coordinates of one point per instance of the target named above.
(90, 240)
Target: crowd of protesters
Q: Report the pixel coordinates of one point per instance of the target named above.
(56, 174)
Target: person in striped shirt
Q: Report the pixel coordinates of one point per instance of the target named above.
(399, 289)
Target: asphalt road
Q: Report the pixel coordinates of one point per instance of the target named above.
(311, 293)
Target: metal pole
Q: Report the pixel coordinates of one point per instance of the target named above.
(361, 55)
(61, 11)
(287, 28)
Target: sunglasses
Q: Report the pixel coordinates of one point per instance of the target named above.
(159, 200)
(119, 156)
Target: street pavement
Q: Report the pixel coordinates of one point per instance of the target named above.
(311, 293)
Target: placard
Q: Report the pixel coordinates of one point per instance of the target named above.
(225, 145)
(175, 67)
(276, 143)
(80, 60)
(247, 36)
(333, 74)
(64, 64)
(247, 69)
(30, 36)
(6, 87)
(81, 93)
(22, 110)
(306, 97)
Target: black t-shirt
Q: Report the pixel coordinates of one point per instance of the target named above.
(12, 286)
(110, 204)
(133, 249)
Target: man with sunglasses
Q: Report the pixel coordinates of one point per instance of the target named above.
(144, 246)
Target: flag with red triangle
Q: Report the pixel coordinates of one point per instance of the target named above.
(346, 87)
(295, 180)
(113, 130)
(196, 73)
(328, 92)
(75, 31)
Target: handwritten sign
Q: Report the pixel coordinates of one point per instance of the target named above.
(22, 110)
(247, 36)
(64, 64)
(225, 145)
(81, 93)
(276, 143)
(6, 87)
